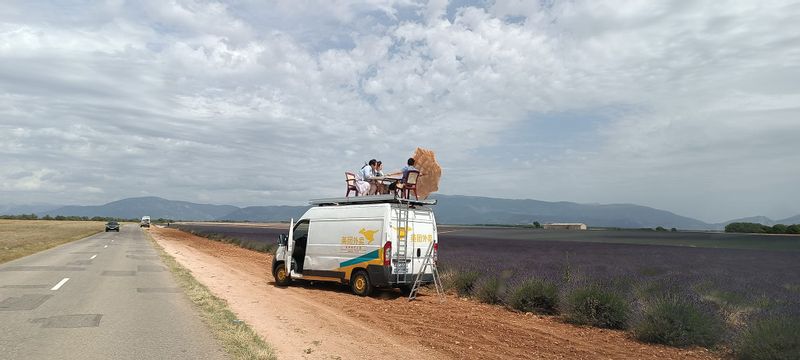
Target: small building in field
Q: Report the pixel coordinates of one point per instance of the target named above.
(565, 226)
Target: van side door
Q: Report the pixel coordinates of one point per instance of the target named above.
(300, 243)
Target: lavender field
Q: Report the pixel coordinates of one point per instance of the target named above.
(701, 262)
(707, 289)
(738, 291)
(760, 276)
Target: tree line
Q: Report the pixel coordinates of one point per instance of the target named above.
(74, 218)
(746, 227)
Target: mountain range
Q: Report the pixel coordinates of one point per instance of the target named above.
(451, 209)
(156, 207)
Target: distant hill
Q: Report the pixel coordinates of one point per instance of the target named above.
(790, 220)
(452, 209)
(456, 209)
(11, 209)
(155, 207)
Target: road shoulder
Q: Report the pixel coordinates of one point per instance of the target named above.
(237, 337)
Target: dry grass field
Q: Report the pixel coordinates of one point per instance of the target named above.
(20, 238)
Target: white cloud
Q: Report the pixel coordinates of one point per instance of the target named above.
(252, 104)
(34, 180)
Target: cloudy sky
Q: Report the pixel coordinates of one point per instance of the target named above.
(688, 106)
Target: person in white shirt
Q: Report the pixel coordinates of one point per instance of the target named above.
(363, 178)
(380, 187)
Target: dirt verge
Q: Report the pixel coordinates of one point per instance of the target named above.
(325, 321)
(238, 339)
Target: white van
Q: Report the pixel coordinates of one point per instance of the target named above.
(358, 241)
(145, 222)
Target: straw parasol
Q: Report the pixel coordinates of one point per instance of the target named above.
(431, 171)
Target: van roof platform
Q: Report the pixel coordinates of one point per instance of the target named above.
(369, 199)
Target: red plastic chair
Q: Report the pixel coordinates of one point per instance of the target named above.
(350, 178)
(411, 184)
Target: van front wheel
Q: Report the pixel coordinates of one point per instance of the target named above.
(360, 283)
(281, 277)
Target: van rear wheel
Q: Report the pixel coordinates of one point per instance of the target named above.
(360, 283)
(280, 275)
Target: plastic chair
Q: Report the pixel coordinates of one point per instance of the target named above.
(410, 184)
(350, 178)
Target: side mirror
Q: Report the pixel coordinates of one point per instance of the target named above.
(283, 239)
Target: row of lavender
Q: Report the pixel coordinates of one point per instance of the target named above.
(755, 275)
(727, 296)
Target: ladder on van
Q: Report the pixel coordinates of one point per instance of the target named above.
(401, 268)
(437, 282)
(403, 260)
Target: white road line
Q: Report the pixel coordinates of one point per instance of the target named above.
(93, 256)
(105, 246)
(60, 284)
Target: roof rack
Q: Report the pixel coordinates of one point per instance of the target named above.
(369, 199)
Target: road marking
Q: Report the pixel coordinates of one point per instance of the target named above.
(105, 246)
(60, 284)
(93, 256)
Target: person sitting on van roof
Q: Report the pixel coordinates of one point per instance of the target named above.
(406, 169)
(381, 188)
(363, 178)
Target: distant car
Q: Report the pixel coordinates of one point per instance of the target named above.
(112, 226)
(145, 222)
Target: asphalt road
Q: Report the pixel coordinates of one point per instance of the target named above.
(119, 302)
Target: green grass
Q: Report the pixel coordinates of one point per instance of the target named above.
(463, 282)
(536, 296)
(795, 288)
(774, 338)
(490, 291)
(237, 338)
(675, 321)
(596, 306)
(651, 271)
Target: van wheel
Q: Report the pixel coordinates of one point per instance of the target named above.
(360, 283)
(281, 277)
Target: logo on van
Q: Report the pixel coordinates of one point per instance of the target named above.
(401, 231)
(369, 234)
(413, 236)
(367, 238)
(421, 238)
